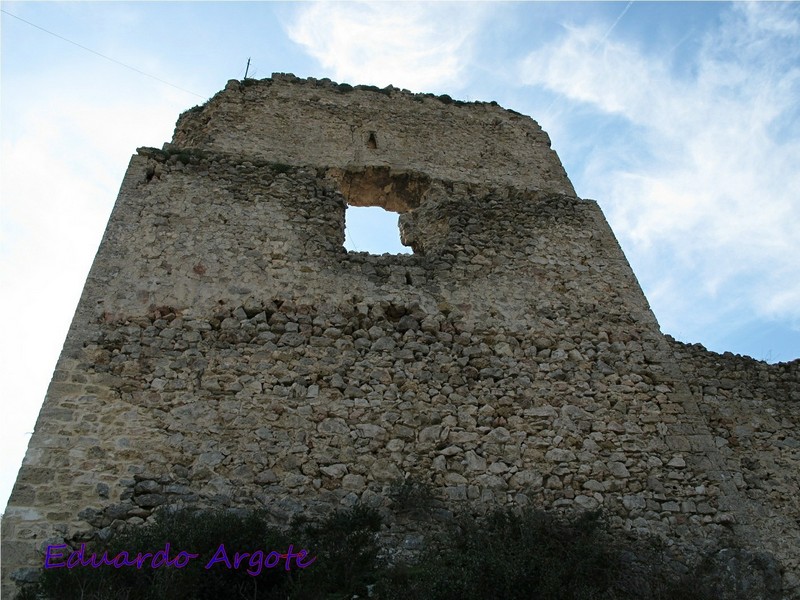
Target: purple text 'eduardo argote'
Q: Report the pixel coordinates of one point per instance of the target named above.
(254, 562)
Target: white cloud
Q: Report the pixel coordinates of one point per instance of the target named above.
(63, 158)
(718, 194)
(418, 46)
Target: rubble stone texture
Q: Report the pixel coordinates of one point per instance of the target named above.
(228, 351)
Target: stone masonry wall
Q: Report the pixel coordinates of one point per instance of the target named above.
(753, 411)
(308, 121)
(228, 351)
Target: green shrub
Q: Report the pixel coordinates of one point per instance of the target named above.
(347, 554)
(195, 532)
(411, 496)
(507, 556)
(531, 555)
(343, 549)
(374, 88)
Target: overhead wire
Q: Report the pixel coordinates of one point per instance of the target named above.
(61, 37)
(114, 60)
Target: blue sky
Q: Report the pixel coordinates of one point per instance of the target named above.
(680, 119)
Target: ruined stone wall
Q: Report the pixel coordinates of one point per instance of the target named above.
(308, 121)
(228, 351)
(753, 412)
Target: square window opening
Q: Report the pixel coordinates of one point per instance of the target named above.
(372, 229)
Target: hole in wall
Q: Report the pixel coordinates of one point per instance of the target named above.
(372, 143)
(374, 196)
(372, 229)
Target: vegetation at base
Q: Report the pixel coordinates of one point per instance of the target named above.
(411, 496)
(344, 545)
(347, 554)
(374, 88)
(532, 555)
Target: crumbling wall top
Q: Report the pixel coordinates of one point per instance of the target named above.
(322, 123)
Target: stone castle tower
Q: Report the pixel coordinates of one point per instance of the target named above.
(227, 350)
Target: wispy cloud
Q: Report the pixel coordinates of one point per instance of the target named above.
(720, 199)
(422, 47)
